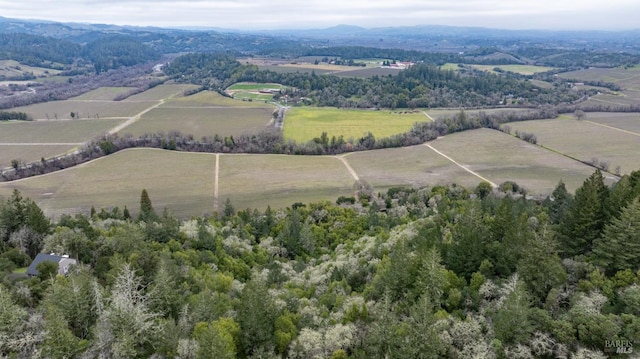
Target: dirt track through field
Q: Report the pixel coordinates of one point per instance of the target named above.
(349, 168)
(429, 117)
(135, 118)
(461, 166)
(614, 128)
(215, 183)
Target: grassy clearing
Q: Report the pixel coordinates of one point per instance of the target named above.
(208, 99)
(368, 72)
(61, 110)
(11, 68)
(302, 124)
(254, 86)
(500, 157)
(28, 154)
(54, 131)
(255, 181)
(414, 166)
(160, 92)
(585, 141)
(200, 122)
(290, 69)
(103, 94)
(182, 182)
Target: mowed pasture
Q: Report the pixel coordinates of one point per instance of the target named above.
(72, 131)
(203, 121)
(103, 94)
(208, 99)
(255, 181)
(161, 92)
(61, 110)
(302, 124)
(587, 141)
(182, 182)
(29, 153)
(624, 121)
(500, 157)
(414, 166)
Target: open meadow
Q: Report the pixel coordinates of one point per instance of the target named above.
(203, 121)
(208, 99)
(302, 124)
(519, 69)
(587, 141)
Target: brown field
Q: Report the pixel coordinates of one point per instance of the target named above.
(182, 182)
(103, 93)
(438, 113)
(500, 157)
(202, 121)
(414, 166)
(367, 72)
(160, 92)
(255, 181)
(27, 154)
(54, 131)
(290, 69)
(86, 109)
(585, 141)
(624, 121)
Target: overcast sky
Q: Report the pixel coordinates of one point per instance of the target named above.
(295, 14)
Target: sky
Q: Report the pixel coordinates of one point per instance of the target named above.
(308, 14)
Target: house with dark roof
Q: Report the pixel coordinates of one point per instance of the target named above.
(64, 263)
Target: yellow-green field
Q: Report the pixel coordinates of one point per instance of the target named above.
(255, 181)
(585, 140)
(302, 124)
(202, 121)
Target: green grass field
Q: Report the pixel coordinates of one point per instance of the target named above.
(202, 121)
(253, 86)
(585, 141)
(54, 131)
(27, 154)
(302, 124)
(255, 181)
(182, 182)
(500, 157)
(414, 166)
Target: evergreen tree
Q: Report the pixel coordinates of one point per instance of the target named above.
(585, 218)
(146, 208)
(257, 314)
(558, 202)
(619, 247)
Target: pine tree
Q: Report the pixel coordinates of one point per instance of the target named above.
(619, 247)
(559, 203)
(585, 218)
(146, 208)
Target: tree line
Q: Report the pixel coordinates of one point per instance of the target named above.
(430, 272)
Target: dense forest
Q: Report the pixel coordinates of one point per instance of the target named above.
(421, 85)
(441, 272)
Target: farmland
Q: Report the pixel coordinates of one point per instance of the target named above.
(85, 109)
(520, 69)
(253, 91)
(203, 121)
(54, 131)
(251, 181)
(303, 124)
(29, 153)
(103, 94)
(586, 141)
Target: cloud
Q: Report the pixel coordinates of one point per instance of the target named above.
(255, 14)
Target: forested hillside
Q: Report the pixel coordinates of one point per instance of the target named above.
(411, 273)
